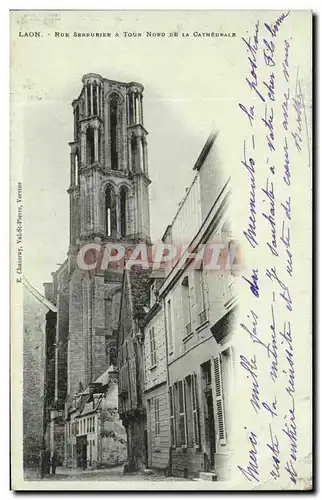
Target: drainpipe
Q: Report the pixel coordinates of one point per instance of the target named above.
(168, 377)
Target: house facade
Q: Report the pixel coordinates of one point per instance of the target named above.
(188, 336)
(94, 436)
(156, 398)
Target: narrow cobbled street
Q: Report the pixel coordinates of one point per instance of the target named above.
(111, 474)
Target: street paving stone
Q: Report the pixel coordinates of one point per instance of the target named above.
(112, 474)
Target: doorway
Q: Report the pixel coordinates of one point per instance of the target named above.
(81, 449)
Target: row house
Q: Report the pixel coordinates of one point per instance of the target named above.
(94, 436)
(155, 379)
(188, 350)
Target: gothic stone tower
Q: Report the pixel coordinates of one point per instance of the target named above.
(108, 202)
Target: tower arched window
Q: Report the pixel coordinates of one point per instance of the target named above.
(113, 132)
(89, 100)
(134, 152)
(90, 145)
(95, 98)
(76, 169)
(76, 116)
(110, 209)
(123, 210)
(143, 154)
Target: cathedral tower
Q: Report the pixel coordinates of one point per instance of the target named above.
(109, 201)
(109, 168)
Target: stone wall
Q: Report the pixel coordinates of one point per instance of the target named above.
(77, 348)
(187, 462)
(112, 432)
(61, 341)
(33, 379)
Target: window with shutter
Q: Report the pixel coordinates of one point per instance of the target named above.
(172, 416)
(153, 354)
(185, 414)
(154, 349)
(188, 410)
(169, 323)
(182, 428)
(201, 294)
(195, 410)
(156, 417)
(186, 306)
(219, 400)
(152, 429)
(228, 383)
